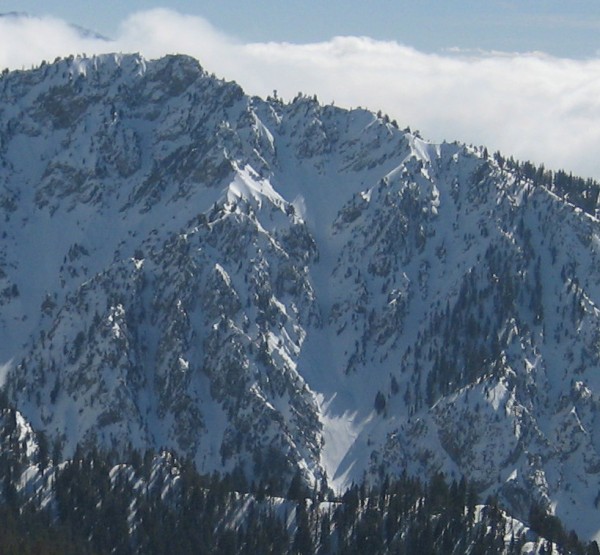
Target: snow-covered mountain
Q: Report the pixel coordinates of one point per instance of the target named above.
(267, 286)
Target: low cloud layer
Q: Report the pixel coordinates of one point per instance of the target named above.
(531, 106)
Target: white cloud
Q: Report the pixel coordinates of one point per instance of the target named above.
(26, 41)
(532, 106)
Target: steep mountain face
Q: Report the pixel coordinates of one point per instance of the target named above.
(266, 286)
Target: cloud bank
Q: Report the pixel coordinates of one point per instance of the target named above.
(532, 106)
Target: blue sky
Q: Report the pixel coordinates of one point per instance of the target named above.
(570, 29)
(522, 77)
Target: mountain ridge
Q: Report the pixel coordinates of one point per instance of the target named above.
(246, 280)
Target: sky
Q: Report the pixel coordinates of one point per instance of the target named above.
(522, 77)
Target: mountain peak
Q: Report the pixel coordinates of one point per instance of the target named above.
(270, 288)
